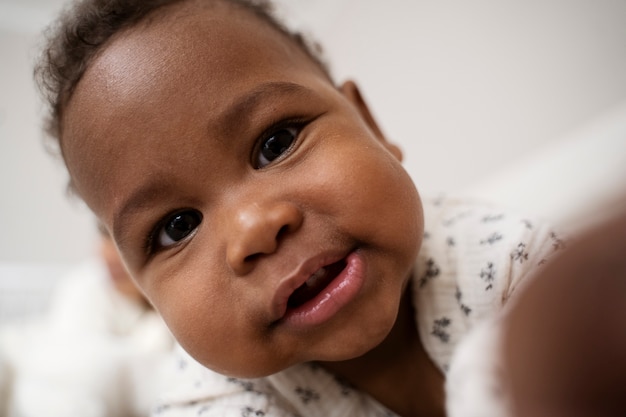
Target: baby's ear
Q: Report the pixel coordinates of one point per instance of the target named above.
(350, 90)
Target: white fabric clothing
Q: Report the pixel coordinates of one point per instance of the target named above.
(474, 383)
(93, 354)
(472, 260)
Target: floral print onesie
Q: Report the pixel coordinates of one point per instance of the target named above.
(472, 260)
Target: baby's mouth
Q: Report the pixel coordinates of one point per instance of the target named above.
(315, 284)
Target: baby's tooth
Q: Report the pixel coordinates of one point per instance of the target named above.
(317, 275)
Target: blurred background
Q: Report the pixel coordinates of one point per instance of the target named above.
(475, 92)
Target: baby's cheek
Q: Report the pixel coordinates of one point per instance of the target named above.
(227, 349)
(211, 332)
(195, 331)
(390, 199)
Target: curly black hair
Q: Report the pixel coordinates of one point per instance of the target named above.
(84, 28)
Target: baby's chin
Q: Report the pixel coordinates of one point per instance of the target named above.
(248, 365)
(343, 341)
(327, 357)
(251, 370)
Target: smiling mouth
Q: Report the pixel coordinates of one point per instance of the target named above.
(315, 284)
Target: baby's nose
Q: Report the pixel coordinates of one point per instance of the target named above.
(258, 229)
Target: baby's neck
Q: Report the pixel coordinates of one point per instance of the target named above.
(398, 373)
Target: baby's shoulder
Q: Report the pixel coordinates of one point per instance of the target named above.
(472, 238)
(473, 257)
(471, 218)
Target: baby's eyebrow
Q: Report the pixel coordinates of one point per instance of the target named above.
(144, 196)
(140, 199)
(258, 96)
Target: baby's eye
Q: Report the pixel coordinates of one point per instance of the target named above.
(176, 228)
(274, 145)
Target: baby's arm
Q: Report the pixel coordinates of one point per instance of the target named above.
(565, 338)
(513, 248)
(559, 348)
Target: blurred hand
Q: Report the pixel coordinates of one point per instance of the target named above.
(565, 338)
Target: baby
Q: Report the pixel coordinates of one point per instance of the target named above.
(264, 214)
(116, 272)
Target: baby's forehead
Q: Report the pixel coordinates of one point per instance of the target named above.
(181, 42)
(169, 78)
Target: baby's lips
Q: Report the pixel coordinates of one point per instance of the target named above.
(303, 272)
(315, 284)
(348, 279)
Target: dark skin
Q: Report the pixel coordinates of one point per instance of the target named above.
(401, 357)
(140, 153)
(565, 344)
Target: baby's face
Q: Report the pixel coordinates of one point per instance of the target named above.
(116, 271)
(249, 198)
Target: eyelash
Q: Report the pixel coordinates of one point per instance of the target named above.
(151, 245)
(296, 123)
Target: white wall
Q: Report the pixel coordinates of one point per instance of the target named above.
(38, 222)
(467, 88)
